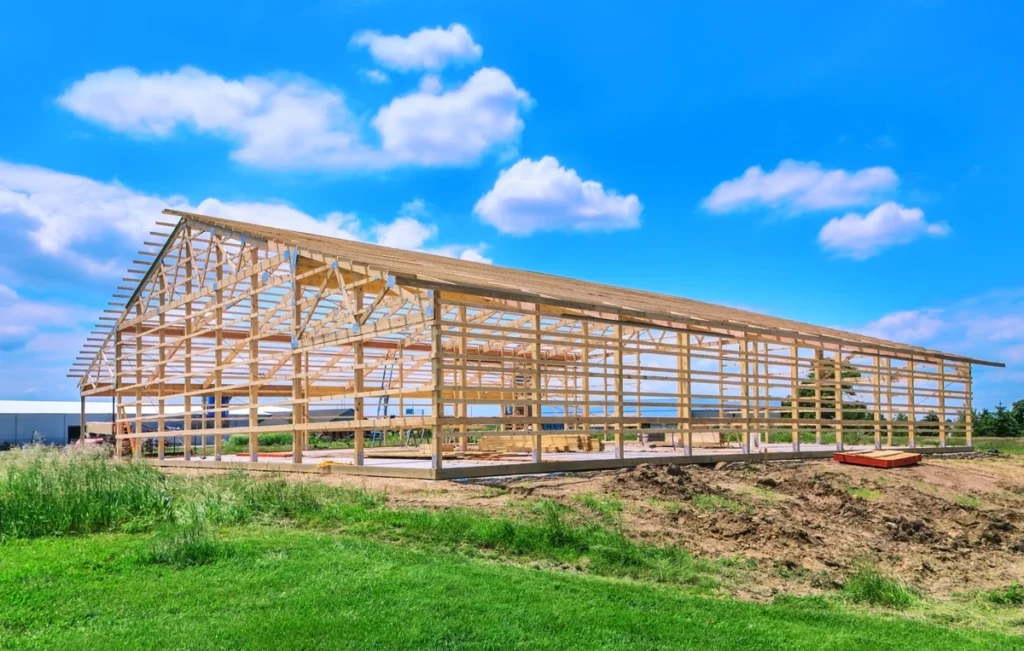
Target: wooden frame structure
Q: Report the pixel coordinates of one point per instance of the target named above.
(230, 313)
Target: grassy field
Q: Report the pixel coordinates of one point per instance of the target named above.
(101, 555)
(274, 588)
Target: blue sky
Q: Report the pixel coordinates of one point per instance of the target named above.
(852, 165)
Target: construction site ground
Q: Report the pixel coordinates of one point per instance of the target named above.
(951, 525)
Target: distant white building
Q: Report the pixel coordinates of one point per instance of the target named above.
(54, 422)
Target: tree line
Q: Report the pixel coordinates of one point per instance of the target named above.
(999, 421)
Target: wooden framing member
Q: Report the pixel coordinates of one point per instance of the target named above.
(284, 325)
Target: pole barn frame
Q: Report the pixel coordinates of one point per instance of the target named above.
(230, 314)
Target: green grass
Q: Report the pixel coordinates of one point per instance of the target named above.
(282, 588)
(969, 501)
(869, 586)
(865, 493)
(716, 503)
(1011, 595)
(608, 507)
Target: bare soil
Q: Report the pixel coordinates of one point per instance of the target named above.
(948, 525)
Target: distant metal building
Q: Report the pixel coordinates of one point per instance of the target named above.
(53, 422)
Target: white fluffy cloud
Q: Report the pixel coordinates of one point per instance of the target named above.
(431, 127)
(21, 319)
(280, 122)
(426, 49)
(799, 186)
(911, 326)
(544, 196)
(375, 76)
(69, 216)
(862, 236)
(292, 122)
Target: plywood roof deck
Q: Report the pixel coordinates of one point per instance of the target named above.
(490, 279)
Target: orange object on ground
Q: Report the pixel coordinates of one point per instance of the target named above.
(879, 458)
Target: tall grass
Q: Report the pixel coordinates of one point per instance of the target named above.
(869, 586)
(45, 492)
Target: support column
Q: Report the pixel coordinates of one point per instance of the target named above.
(878, 402)
(745, 389)
(136, 441)
(620, 440)
(297, 412)
(437, 367)
(119, 424)
(463, 408)
(254, 363)
(888, 402)
(538, 439)
(794, 401)
(942, 403)
(838, 401)
(969, 406)
(359, 385)
(819, 358)
(187, 413)
(218, 353)
(685, 393)
(911, 407)
(161, 420)
(81, 419)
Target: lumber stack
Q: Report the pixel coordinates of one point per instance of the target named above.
(549, 443)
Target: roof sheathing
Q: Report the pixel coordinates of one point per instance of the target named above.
(434, 270)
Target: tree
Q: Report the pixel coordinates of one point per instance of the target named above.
(852, 409)
(1004, 422)
(1017, 411)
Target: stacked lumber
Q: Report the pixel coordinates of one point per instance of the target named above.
(549, 443)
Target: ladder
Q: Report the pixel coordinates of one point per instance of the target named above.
(382, 403)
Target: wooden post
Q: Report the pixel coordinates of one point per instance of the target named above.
(437, 367)
(119, 424)
(819, 366)
(911, 407)
(359, 384)
(137, 430)
(586, 377)
(297, 445)
(187, 409)
(218, 353)
(685, 394)
(745, 389)
(81, 419)
(538, 439)
(942, 403)
(969, 406)
(878, 402)
(838, 401)
(463, 407)
(161, 421)
(254, 361)
(794, 401)
(620, 438)
(888, 402)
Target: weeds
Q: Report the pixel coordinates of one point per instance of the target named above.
(715, 503)
(865, 494)
(185, 544)
(1011, 595)
(869, 586)
(968, 501)
(607, 506)
(45, 492)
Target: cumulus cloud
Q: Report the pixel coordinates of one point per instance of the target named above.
(544, 196)
(798, 186)
(911, 326)
(21, 319)
(862, 236)
(431, 127)
(375, 76)
(70, 216)
(292, 122)
(425, 49)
